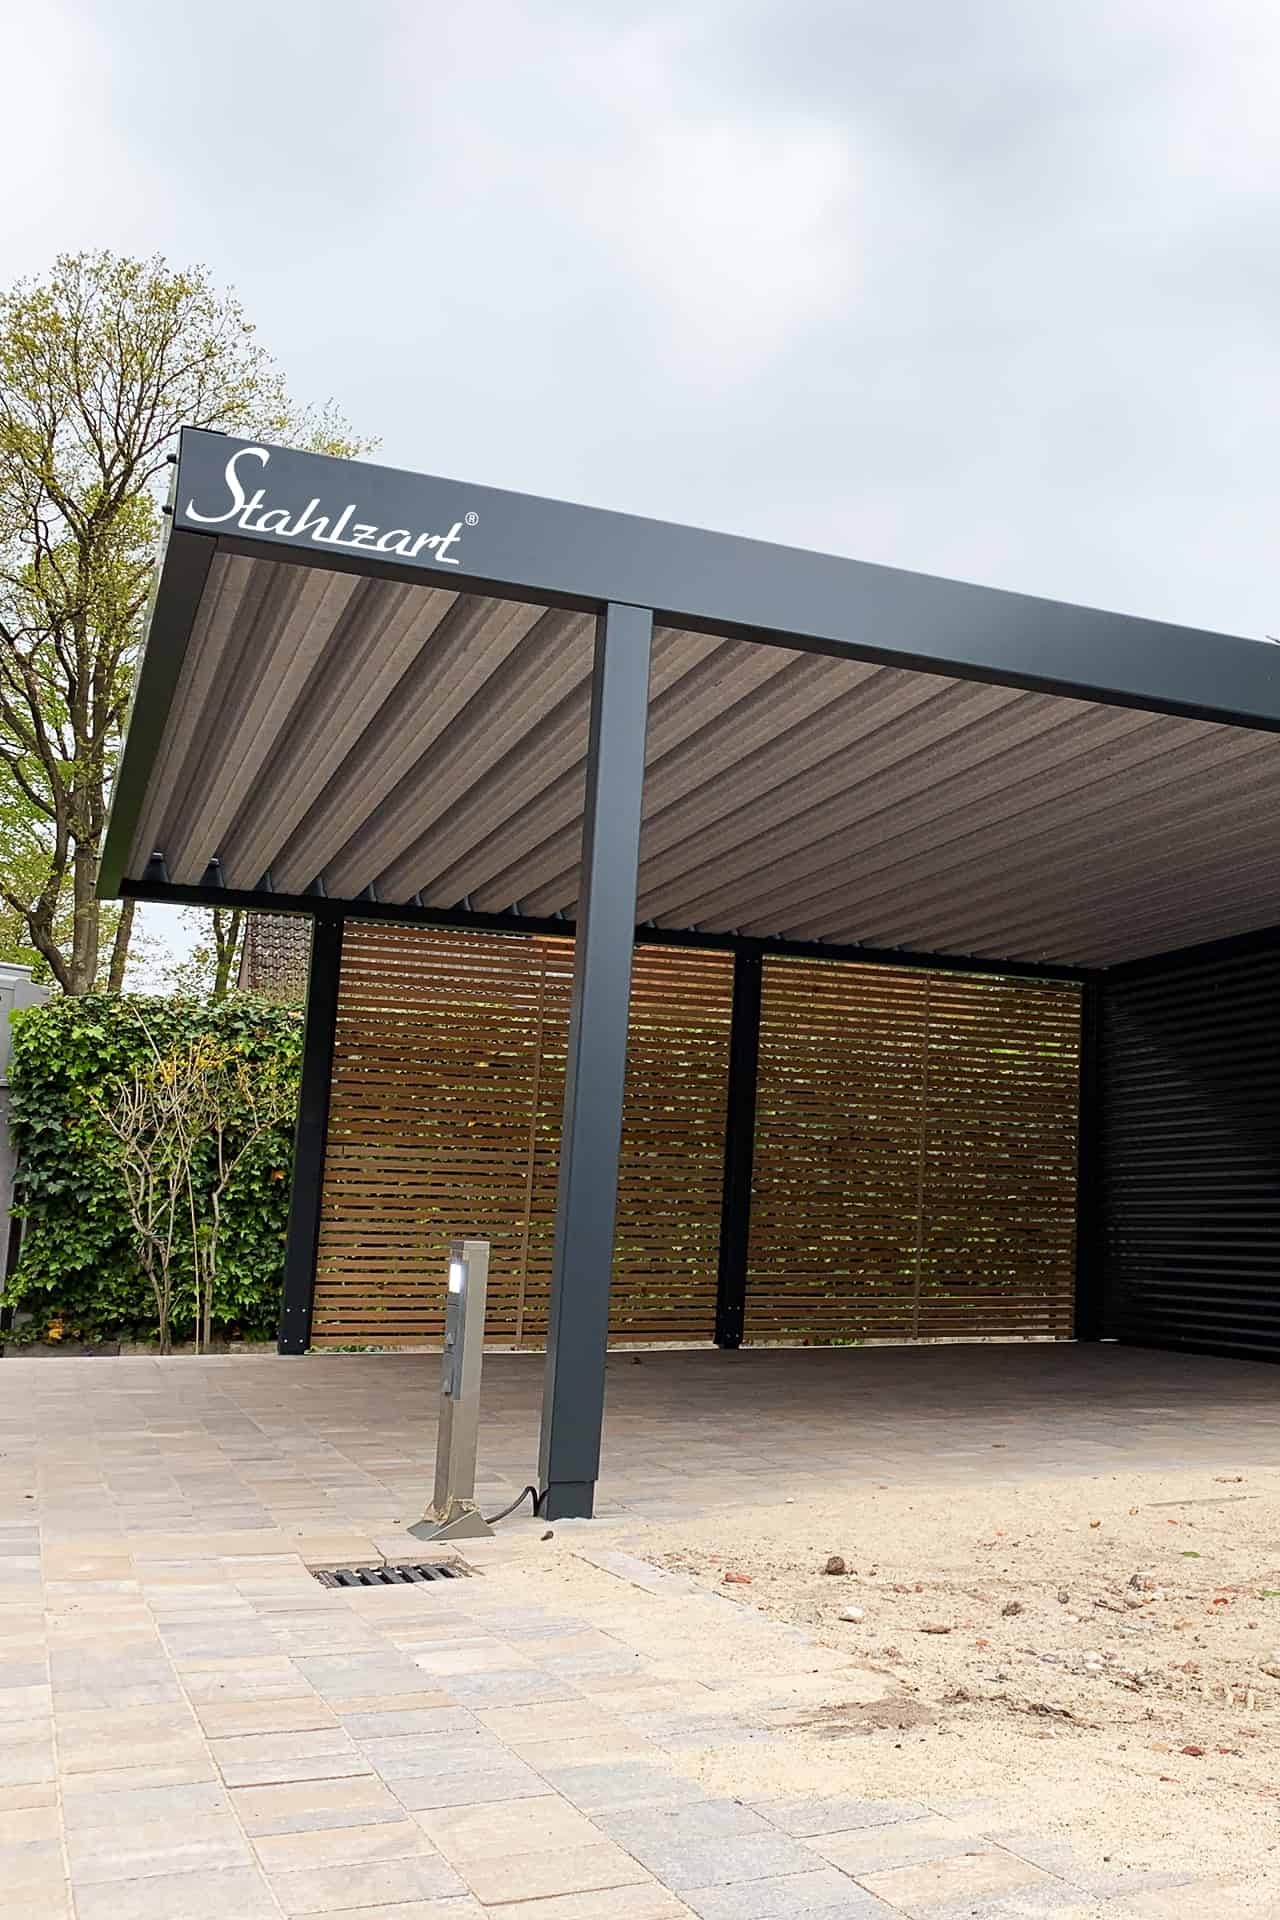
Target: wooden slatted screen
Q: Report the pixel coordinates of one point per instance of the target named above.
(445, 1119)
(915, 1155)
(915, 1144)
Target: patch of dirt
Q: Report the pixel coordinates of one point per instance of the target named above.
(843, 1717)
(1143, 1622)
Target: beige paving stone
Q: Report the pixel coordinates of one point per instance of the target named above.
(462, 1907)
(643, 1901)
(550, 1720)
(413, 1723)
(964, 1876)
(202, 1548)
(128, 1779)
(393, 1702)
(876, 1849)
(54, 1902)
(38, 1793)
(29, 1823)
(128, 1736)
(514, 1826)
(223, 1719)
(491, 1656)
(32, 1863)
(494, 1878)
(299, 1807)
(26, 1760)
(194, 1841)
(261, 1759)
(341, 1846)
(331, 1549)
(66, 1563)
(272, 1677)
(235, 1893)
(587, 1748)
(484, 1786)
(366, 1883)
(140, 1806)
(20, 1706)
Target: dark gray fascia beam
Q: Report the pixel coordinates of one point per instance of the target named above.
(322, 907)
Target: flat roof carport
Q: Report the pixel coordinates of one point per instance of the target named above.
(375, 692)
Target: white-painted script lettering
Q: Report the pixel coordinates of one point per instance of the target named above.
(252, 515)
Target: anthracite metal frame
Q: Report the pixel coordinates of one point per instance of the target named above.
(523, 547)
(311, 1136)
(739, 1150)
(595, 1071)
(1088, 1319)
(631, 572)
(319, 907)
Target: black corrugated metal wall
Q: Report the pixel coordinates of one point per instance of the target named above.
(1189, 1160)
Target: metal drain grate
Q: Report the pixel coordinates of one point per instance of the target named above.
(383, 1576)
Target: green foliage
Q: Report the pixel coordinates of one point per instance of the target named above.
(79, 1268)
(101, 363)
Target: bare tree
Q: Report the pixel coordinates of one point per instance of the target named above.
(232, 1104)
(144, 1113)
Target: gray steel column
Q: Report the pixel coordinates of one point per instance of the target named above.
(587, 1201)
(1091, 1246)
(310, 1136)
(739, 1151)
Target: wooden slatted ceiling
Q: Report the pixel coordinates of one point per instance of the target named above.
(915, 1155)
(445, 1119)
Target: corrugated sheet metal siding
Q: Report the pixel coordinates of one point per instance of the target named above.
(1190, 1125)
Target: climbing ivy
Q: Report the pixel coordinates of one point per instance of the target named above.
(79, 1275)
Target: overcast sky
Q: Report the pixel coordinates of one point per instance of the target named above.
(986, 287)
(983, 287)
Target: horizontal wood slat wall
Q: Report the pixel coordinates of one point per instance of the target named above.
(445, 1119)
(914, 1160)
(915, 1156)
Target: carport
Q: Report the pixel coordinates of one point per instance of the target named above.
(378, 697)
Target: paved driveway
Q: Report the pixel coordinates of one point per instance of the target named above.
(193, 1726)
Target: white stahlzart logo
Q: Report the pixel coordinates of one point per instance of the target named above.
(252, 515)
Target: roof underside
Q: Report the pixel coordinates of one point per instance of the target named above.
(363, 733)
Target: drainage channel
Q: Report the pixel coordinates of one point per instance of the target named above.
(384, 1576)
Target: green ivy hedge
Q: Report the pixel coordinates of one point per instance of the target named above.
(78, 1273)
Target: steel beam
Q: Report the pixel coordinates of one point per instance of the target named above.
(310, 1136)
(739, 1150)
(591, 1134)
(559, 554)
(263, 900)
(1090, 1280)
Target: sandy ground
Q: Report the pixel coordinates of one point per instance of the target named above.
(1101, 1656)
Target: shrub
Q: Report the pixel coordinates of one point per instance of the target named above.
(80, 1266)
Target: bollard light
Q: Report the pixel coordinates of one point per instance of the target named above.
(453, 1514)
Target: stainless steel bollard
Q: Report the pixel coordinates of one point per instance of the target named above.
(453, 1514)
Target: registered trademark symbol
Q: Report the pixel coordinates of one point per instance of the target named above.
(472, 519)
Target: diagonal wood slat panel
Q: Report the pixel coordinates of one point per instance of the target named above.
(915, 1155)
(445, 1119)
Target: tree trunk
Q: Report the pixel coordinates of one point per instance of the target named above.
(120, 947)
(226, 940)
(84, 942)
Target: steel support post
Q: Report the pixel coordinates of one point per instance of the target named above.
(591, 1135)
(739, 1150)
(1090, 1301)
(310, 1136)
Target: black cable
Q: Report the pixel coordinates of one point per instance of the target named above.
(492, 1519)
